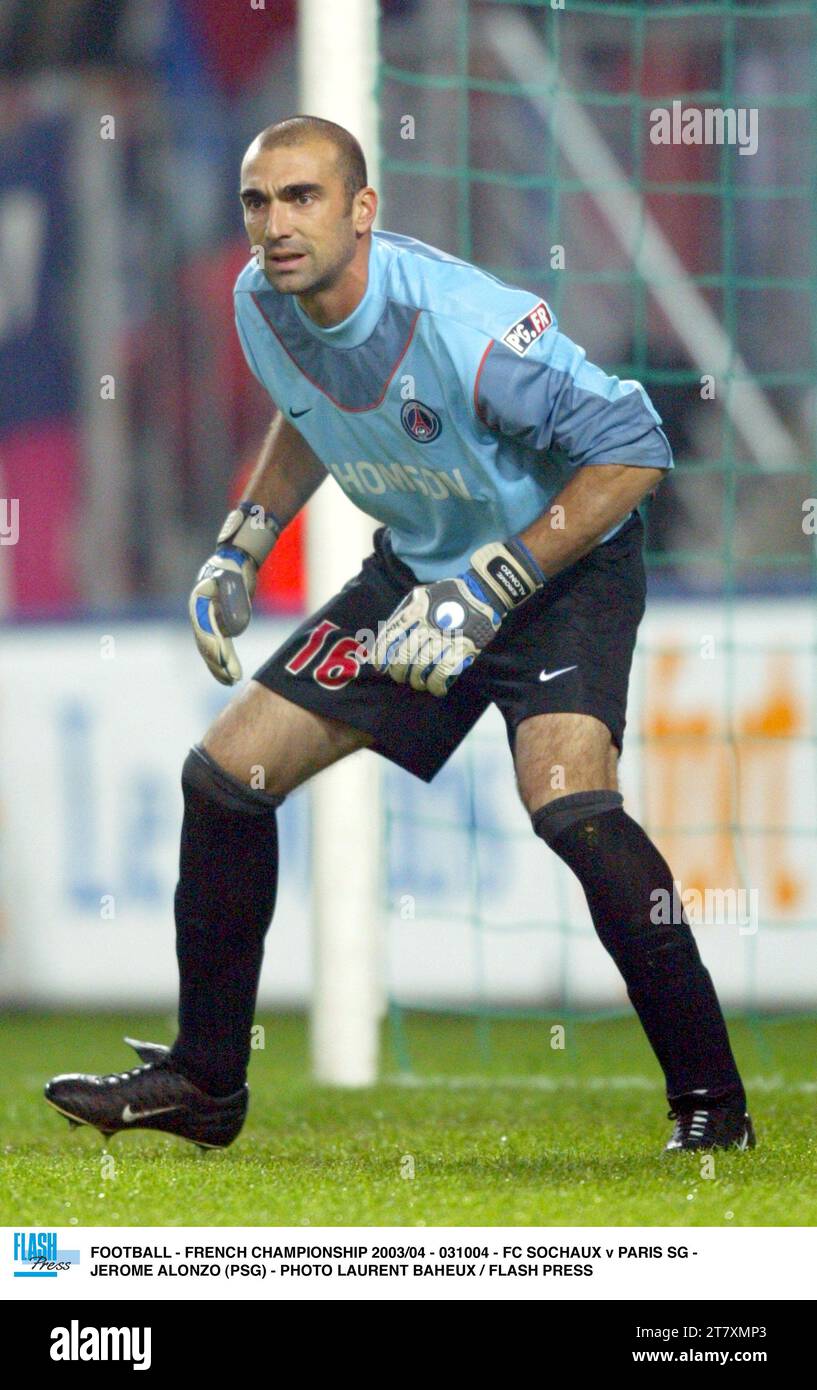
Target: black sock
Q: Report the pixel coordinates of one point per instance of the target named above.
(225, 898)
(668, 985)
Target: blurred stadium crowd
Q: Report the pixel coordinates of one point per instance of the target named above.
(126, 411)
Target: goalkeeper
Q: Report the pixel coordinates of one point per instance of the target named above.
(506, 472)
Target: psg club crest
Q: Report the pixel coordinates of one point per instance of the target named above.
(420, 421)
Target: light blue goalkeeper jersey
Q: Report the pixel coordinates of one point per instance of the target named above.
(447, 405)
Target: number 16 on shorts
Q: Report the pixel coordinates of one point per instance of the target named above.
(338, 666)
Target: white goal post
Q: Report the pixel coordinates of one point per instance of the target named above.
(337, 56)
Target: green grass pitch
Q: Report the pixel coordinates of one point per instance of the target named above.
(514, 1133)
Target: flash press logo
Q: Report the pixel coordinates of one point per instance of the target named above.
(36, 1255)
(75, 1343)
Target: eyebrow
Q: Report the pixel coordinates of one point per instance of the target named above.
(288, 192)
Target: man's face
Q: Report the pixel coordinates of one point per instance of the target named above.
(296, 209)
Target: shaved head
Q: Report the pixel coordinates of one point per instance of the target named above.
(299, 130)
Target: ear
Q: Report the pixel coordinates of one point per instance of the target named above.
(364, 210)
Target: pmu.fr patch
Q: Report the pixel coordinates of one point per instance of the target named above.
(420, 421)
(525, 331)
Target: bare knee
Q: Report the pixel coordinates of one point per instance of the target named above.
(232, 739)
(268, 743)
(558, 754)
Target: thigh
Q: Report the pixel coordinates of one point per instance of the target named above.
(261, 732)
(558, 754)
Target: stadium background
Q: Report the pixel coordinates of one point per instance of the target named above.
(127, 416)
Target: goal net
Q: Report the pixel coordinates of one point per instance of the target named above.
(649, 170)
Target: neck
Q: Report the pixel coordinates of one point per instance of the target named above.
(329, 306)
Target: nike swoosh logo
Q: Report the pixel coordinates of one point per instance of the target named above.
(296, 414)
(550, 675)
(128, 1115)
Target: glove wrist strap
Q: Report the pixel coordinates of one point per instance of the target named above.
(252, 529)
(508, 571)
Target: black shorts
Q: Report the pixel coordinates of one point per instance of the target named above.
(567, 650)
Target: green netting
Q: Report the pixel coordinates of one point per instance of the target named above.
(489, 172)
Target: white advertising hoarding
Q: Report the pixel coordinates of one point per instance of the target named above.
(720, 761)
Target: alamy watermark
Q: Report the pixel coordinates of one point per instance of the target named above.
(716, 125)
(9, 520)
(708, 907)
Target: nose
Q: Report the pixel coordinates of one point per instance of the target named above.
(278, 224)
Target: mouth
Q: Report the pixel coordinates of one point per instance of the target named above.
(289, 261)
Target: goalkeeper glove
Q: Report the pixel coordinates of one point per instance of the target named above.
(221, 602)
(440, 628)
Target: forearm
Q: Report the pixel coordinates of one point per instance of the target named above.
(286, 474)
(597, 497)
